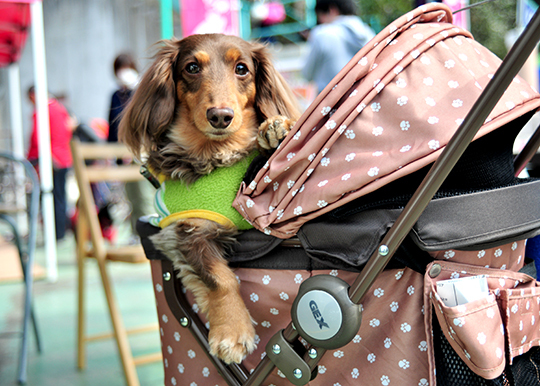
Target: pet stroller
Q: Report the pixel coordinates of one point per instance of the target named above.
(346, 237)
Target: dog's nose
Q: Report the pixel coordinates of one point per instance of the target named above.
(220, 118)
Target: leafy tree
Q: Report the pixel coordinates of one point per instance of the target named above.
(490, 21)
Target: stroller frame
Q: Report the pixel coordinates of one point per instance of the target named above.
(279, 351)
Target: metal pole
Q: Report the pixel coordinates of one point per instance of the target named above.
(167, 26)
(17, 137)
(44, 138)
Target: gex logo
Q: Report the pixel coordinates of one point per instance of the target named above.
(317, 315)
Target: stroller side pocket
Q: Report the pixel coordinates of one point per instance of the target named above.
(487, 333)
(475, 331)
(520, 309)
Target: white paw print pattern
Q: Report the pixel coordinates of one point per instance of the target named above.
(401, 83)
(385, 381)
(339, 354)
(405, 125)
(177, 336)
(387, 343)
(375, 107)
(206, 372)
(191, 354)
(371, 358)
(355, 373)
(402, 100)
(410, 290)
(181, 368)
(394, 306)
(284, 296)
(374, 322)
(298, 278)
(349, 157)
(266, 279)
(433, 144)
(423, 346)
(373, 171)
(405, 327)
(274, 311)
(378, 292)
(377, 131)
(350, 134)
(404, 364)
(254, 297)
(457, 103)
(482, 338)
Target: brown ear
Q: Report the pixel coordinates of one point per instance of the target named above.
(274, 96)
(152, 107)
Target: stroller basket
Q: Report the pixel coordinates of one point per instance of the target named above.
(499, 328)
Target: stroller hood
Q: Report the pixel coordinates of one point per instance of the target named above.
(388, 113)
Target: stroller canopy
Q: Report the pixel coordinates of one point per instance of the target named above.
(388, 113)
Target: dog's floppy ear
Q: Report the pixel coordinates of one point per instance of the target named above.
(274, 96)
(152, 107)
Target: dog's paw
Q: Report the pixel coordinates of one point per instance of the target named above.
(273, 131)
(232, 335)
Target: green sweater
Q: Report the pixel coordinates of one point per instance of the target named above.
(210, 197)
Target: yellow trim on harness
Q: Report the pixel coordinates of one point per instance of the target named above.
(196, 213)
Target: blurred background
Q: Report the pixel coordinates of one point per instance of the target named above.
(82, 38)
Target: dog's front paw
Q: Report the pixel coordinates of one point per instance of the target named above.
(273, 131)
(232, 335)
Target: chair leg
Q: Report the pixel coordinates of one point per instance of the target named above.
(81, 233)
(120, 332)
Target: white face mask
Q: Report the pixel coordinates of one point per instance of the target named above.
(127, 77)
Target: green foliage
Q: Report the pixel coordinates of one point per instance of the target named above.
(379, 13)
(490, 22)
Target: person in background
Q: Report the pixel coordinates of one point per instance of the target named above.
(61, 131)
(332, 44)
(139, 193)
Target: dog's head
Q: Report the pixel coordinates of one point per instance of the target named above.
(206, 94)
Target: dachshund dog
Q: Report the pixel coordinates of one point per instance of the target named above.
(206, 103)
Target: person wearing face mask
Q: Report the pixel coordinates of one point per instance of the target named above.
(139, 193)
(127, 77)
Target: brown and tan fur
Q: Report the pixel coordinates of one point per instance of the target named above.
(207, 101)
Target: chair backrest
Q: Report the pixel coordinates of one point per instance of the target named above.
(96, 162)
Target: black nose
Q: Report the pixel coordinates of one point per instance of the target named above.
(220, 118)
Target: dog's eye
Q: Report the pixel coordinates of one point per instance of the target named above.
(241, 69)
(192, 68)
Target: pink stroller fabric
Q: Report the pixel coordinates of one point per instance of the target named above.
(388, 113)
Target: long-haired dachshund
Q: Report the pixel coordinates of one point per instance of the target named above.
(205, 104)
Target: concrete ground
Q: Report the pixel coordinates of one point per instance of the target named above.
(56, 311)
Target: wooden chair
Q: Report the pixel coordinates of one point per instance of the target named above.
(90, 244)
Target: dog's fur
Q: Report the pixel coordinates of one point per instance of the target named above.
(206, 102)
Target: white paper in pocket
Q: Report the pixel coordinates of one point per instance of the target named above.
(455, 292)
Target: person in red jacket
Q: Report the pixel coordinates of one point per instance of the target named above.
(61, 132)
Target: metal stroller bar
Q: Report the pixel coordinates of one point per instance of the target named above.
(509, 68)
